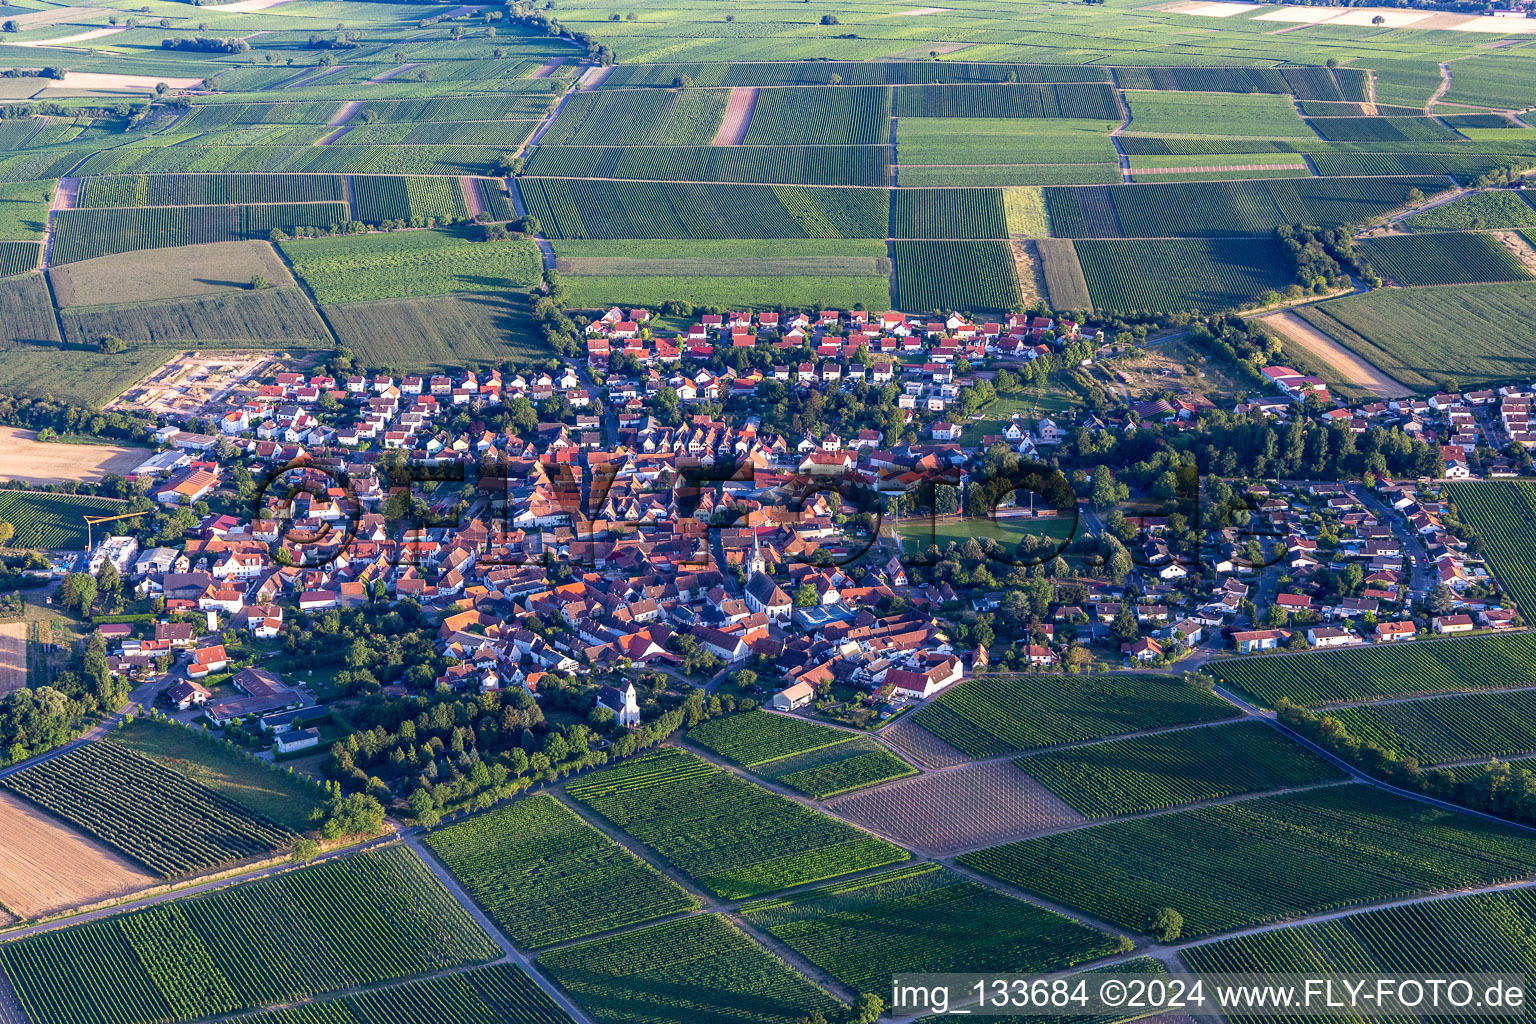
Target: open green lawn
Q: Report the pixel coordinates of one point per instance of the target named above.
(24, 209)
(405, 264)
(273, 793)
(1204, 113)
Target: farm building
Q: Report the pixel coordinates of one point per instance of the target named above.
(794, 697)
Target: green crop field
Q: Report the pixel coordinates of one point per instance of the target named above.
(1476, 933)
(1238, 864)
(482, 995)
(639, 118)
(1225, 208)
(1064, 280)
(731, 837)
(993, 715)
(404, 264)
(1387, 327)
(820, 117)
(52, 522)
(641, 209)
(545, 876)
(757, 736)
(210, 189)
(841, 768)
(1165, 275)
(700, 970)
(738, 273)
(945, 141)
(948, 213)
(955, 275)
(1450, 257)
(347, 922)
(809, 165)
(1382, 129)
(1202, 113)
(1362, 673)
(85, 234)
(1495, 209)
(816, 760)
(24, 209)
(262, 318)
(441, 333)
(167, 821)
(1152, 772)
(19, 257)
(378, 198)
(1455, 728)
(1078, 101)
(923, 918)
(268, 791)
(1503, 512)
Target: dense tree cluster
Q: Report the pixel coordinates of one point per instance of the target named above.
(36, 720)
(206, 44)
(1323, 257)
(450, 751)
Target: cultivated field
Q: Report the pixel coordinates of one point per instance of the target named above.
(545, 876)
(959, 808)
(1317, 346)
(1153, 772)
(923, 918)
(410, 263)
(1174, 274)
(160, 818)
(1504, 515)
(47, 868)
(441, 333)
(52, 521)
(1455, 728)
(993, 715)
(270, 792)
(731, 837)
(344, 923)
(24, 457)
(1387, 328)
(1363, 673)
(1466, 933)
(483, 995)
(171, 274)
(1237, 864)
(700, 970)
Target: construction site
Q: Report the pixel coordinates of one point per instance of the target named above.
(197, 384)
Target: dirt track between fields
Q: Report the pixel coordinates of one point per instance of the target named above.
(1347, 364)
(738, 117)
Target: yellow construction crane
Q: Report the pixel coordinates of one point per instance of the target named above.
(92, 521)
